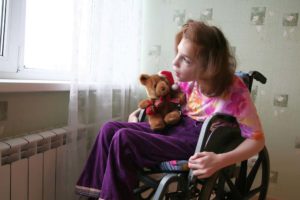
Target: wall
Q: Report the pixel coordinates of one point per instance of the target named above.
(32, 111)
(265, 36)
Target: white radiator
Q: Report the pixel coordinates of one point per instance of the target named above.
(33, 167)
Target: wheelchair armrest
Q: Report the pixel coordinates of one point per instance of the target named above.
(223, 139)
(205, 130)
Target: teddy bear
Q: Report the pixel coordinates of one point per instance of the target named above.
(164, 99)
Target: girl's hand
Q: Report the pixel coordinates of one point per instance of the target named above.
(204, 164)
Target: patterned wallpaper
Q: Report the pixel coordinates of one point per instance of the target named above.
(265, 36)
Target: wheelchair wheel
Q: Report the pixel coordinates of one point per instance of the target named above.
(172, 187)
(239, 182)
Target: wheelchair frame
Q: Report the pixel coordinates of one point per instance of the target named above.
(234, 182)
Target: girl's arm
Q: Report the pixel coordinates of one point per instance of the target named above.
(204, 164)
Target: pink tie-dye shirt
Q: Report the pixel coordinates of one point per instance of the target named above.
(237, 102)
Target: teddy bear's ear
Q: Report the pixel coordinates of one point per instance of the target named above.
(144, 78)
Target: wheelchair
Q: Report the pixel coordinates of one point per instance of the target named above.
(220, 133)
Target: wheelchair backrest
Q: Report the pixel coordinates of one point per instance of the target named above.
(248, 77)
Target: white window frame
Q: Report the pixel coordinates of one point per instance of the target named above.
(13, 42)
(12, 63)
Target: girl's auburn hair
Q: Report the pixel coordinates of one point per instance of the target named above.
(213, 50)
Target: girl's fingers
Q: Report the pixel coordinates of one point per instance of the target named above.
(199, 172)
(193, 157)
(193, 161)
(203, 173)
(195, 165)
(202, 176)
(197, 155)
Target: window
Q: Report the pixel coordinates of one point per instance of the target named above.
(36, 39)
(2, 25)
(48, 34)
(12, 23)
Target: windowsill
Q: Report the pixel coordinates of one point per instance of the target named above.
(9, 85)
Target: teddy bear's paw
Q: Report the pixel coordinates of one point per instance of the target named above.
(144, 103)
(159, 125)
(172, 117)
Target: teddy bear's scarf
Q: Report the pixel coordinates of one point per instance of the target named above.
(153, 105)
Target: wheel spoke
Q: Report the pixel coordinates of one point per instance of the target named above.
(234, 191)
(252, 174)
(253, 192)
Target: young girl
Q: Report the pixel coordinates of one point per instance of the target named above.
(205, 69)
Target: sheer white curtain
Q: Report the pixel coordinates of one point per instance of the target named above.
(105, 69)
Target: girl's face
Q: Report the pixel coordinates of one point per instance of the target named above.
(186, 64)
